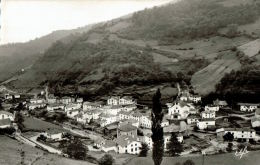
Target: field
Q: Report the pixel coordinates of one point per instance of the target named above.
(252, 158)
(10, 154)
(38, 125)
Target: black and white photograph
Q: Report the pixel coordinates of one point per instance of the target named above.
(130, 82)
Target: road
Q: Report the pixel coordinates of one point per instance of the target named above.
(48, 148)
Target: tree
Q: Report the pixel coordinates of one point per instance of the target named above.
(19, 120)
(174, 146)
(157, 130)
(76, 150)
(189, 162)
(144, 150)
(229, 147)
(106, 160)
(228, 137)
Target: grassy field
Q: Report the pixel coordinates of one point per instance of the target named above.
(10, 154)
(252, 158)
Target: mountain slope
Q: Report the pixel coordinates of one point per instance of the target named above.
(169, 44)
(14, 57)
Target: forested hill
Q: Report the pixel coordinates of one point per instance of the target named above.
(17, 56)
(197, 42)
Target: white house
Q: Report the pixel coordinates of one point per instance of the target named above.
(132, 122)
(146, 121)
(91, 105)
(248, 107)
(241, 133)
(109, 146)
(208, 114)
(128, 145)
(126, 100)
(167, 137)
(255, 122)
(17, 96)
(129, 107)
(51, 99)
(195, 98)
(79, 100)
(180, 110)
(67, 100)
(127, 129)
(193, 119)
(37, 101)
(137, 116)
(116, 100)
(107, 119)
(112, 109)
(6, 115)
(33, 106)
(164, 123)
(206, 123)
(5, 123)
(53, 134)
(72, 114)
(55, 106)
(72, 106)
(220, 103)
(212, 108)
(125, 115)
(113, 100)
(147, 140)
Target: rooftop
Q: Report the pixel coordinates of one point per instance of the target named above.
(5, 122)
(6, 113)
(127, 127)
(124, 140)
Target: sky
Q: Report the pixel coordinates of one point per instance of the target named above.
(24, 20)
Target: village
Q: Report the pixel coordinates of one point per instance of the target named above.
(120, 125)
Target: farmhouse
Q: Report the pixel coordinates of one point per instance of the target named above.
(109, 146)
(113, 100)
(220, 103)
(167, 137)
(195, 98)
(72, 106)
(132, 122)
(206, 123)
(72, 114)
(116, 100)
(180, 110)
(6, 115)
(193, 119)
(91, 105)
(36, 106)
(67, 100)
(248, 107)
(55, 107)
(146, 121)
(37, 101)
(107, 119)
(5, 123)
(208, 114)
(212, 108)
(238, 133)
(54, 134)
(127, 129)
(255, 122)
(128, 145)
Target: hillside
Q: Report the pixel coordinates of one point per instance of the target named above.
(17, 56)
(190, 41)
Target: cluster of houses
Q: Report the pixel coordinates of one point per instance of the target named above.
(6, 119)
(121, 114)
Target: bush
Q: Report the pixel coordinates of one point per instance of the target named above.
(188, 162)
(8, 131)
(106, 160)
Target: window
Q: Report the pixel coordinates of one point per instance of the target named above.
(132, 150)
(126, 151)
(135, 149)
